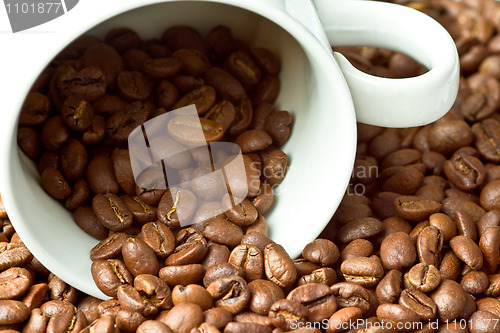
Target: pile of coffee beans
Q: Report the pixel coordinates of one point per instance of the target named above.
(413, 247)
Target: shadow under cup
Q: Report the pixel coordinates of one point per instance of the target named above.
(321, 147)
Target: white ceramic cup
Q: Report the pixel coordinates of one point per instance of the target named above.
(315, 88)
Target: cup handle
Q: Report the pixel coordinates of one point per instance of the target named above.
(388, 102)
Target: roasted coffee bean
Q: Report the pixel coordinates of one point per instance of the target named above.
(109, 275)
(185, 129)
(275, 166)
(242, 67)
(321, 251)
(405, 180)
(80, 195)
(278, 126)
(222, 231)
(349, 294)
(14, 282)
(364, 227)
(96, 132)
(343, 318)
(108, 248)
(14, 254)
(203, 97)
(123, 170)
(221, 270)
(112, 212)
(445, 224)
(182, 275)
(484, 321)
(236, 327)
(490, 247)
(192, 293)
(230, 293)
(278, 265)
(414, 208)
(253, 140)
(176, 200)
(263, 294)
(429, 245)
(424, 277)
(122, 123)
(134, 86)
(486, 139)
(158, 237)
(222, 113)
(419, 303)
(397, 314)
(35, 295)
(77, 113)
(447, 136)
(267, 91)
(449, 307)
(35, 109)
(101, 176)
(225, 84)
(397, 251)
(494, 286)
(86, 219)
(325, 275)
(242, 214)
(29, 141)
(217, 317)
(453, 204)
(464, 171)
(389, 288)
(162, 68)
(357, 248)
(362, 270)
(250, 259)
(128, 321)
(141, 212)
(318, 298)
(216, 254)
(13, 312)
(468, 251)
(61, 291)
(191, 248)
(285, 313)
(153, 326)
(54, 183)
(475, 282)
(89, 83)
(139, 257)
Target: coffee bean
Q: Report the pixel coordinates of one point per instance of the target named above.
(278, 265)
(222, 113)
(185, 129)
(444, 137)
(278, 126)
(484, 321)
(109, 275)
(414, 208)
(222, 231)
(343, 318)
(171, 205)
(424, 278)
(364, 271)
(153, 326)
(221, 270)
(467, 251)
(35, 109)
(217, 317)
(318, 298)
(325, 275)
(397, 314)
(250, 259)
(139, 257)
(142, 213)
(449, 308)
(191, 248)
(349, 294)
(14, 282)
(397, 251)
(122, 123)
(112, 212)
(96, 132)
(230, 293)
(490, 247)
(225, 84)
(29, 141)
(243, 117)
(429, 245)
(364, 227)
(182, 274)
(80, 195)
(475, 282)
(486, 138)
(101, 176)
(86, 219)
(87, 83)
(284, 313)
(389, 288)
(203, 97)
(445, 224)
(54, 183)
(216, 254)
(109, 247)
(159, 238)
(253, 140)
(419, 302)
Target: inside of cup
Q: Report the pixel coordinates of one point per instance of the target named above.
(322, 142)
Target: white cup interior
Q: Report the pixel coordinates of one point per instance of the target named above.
(321, 147)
